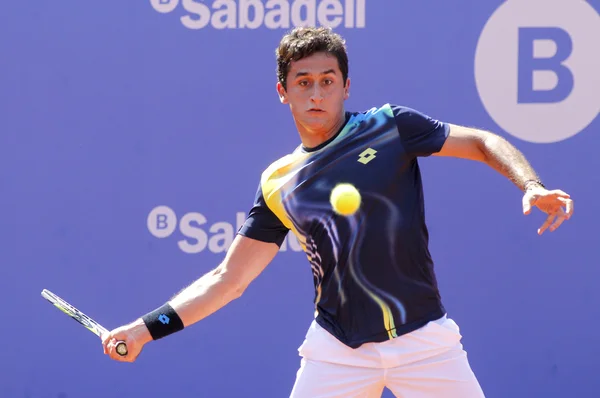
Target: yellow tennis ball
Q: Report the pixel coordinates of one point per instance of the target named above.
(345, 199)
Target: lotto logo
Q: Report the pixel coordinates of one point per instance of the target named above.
(197, 236)
(367, 155)
(272, 14)
(536, 68)
(164, 319)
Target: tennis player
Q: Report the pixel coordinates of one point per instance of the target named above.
(379, 319)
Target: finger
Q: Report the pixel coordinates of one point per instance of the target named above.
(112, 352)
(546, 224)
(104, 338)
(561, 217)
(115, 355)
(568, 207)
(559, 193)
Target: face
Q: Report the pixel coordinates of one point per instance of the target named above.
(315, 93)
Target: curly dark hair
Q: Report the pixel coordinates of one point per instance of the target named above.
(302, 42)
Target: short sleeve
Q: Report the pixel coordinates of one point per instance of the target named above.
(262, 224)
(420, 134)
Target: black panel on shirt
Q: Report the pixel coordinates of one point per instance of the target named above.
(262, 224)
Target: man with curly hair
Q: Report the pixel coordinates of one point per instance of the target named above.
(379, 318)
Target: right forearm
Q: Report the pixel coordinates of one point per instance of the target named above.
(244, 261)
(205, 296)
(197, 301)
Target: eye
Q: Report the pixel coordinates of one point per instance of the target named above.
(303, 83)
(328, 81)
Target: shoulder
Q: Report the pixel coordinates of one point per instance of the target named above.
(276, 165)
(410, 120)
(281, 167)
(372, 117)
(400, 113)
(408, 115)
(384, 110)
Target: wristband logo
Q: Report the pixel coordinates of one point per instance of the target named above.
(164, 319)
(536, 68)
(272, 14)
(197, 235)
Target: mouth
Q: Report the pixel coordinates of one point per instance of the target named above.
(316, 110)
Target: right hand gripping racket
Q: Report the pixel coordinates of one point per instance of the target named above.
(80, 317)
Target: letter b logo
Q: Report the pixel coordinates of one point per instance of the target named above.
(540, 39)
(161, 221)
(536, 68)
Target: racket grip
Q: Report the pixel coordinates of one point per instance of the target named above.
(121, 348)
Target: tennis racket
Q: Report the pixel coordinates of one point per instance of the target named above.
(82, 318)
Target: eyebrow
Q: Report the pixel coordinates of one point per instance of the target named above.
(328, 71)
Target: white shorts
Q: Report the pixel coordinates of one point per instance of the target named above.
(429, 362)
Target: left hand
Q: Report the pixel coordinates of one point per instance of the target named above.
(556, 203)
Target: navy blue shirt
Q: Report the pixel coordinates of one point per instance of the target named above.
(372, 271)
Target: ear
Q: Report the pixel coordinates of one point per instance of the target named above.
(347, 89)
(282, 94)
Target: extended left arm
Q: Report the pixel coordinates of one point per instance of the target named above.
(489, 148)
(502, 156)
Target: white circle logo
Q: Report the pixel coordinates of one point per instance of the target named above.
(164, 6)
(537, 68)
(161, 221)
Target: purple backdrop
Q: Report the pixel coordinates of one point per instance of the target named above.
(111, 109)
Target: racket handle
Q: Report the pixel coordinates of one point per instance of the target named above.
(121, 348)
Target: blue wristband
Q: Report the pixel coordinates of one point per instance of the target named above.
(162, 322)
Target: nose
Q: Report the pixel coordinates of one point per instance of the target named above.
(317, 95)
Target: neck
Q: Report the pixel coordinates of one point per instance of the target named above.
(313, 137)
